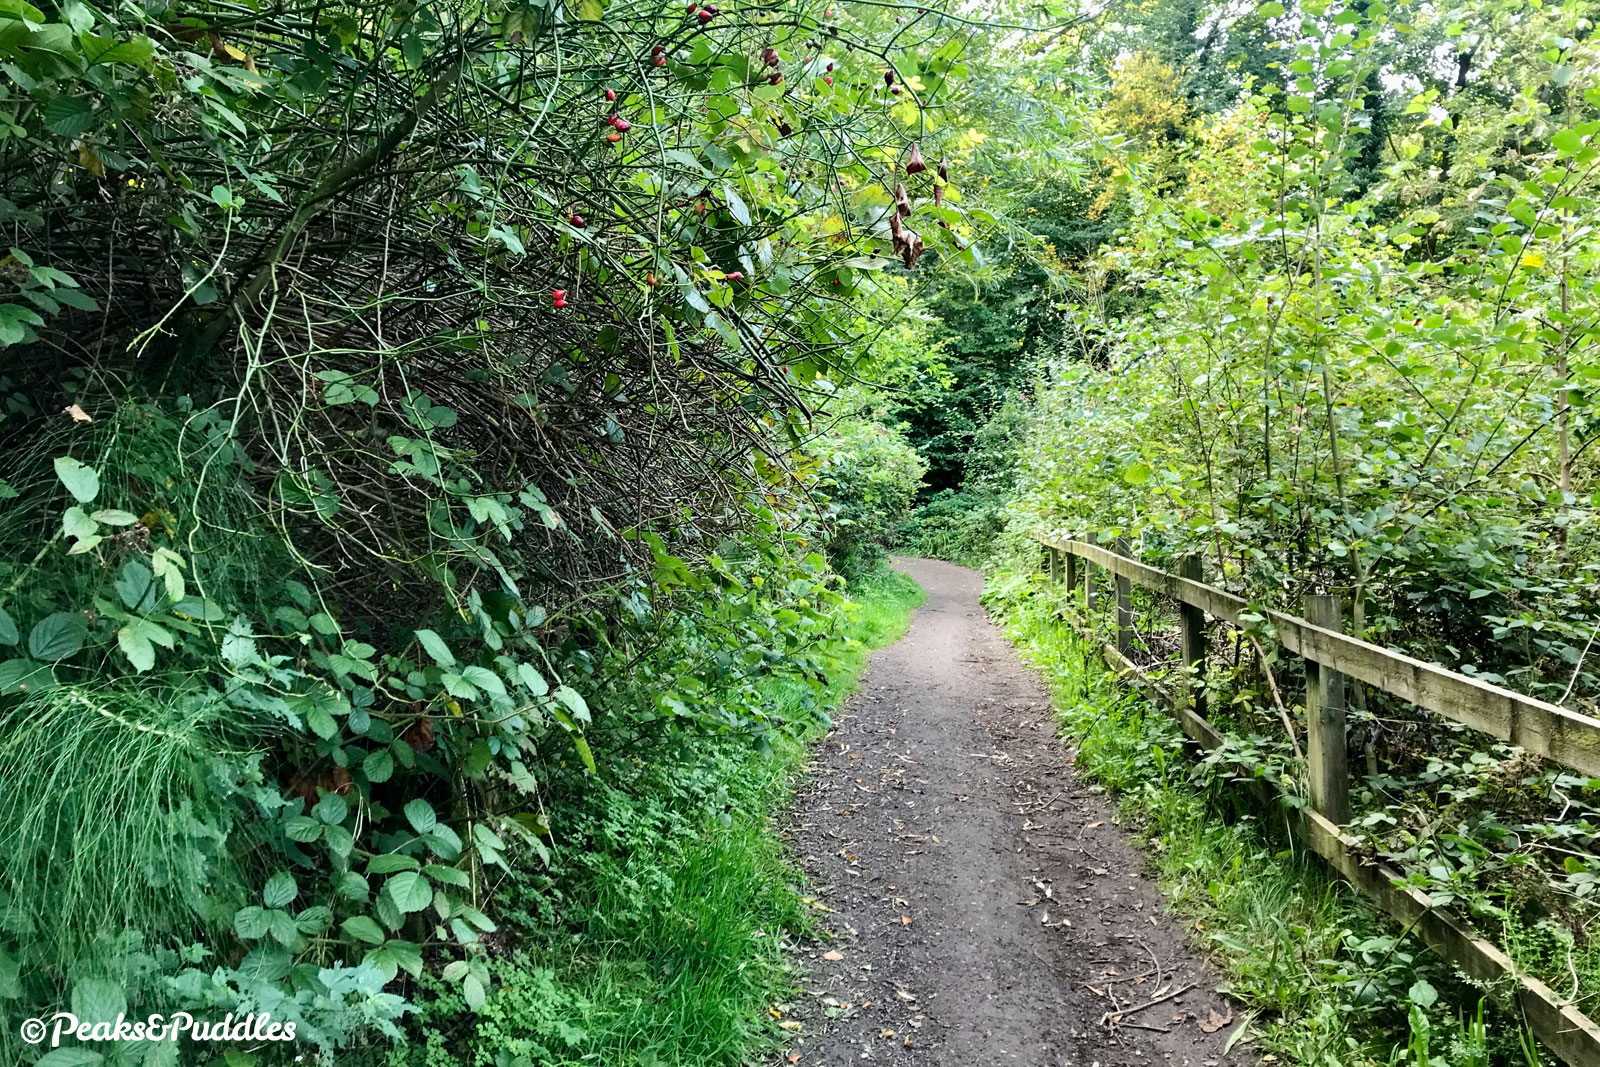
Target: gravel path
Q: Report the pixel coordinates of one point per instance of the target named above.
(985, 908)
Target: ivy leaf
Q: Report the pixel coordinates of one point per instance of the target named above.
(81, 480)
(55, 637)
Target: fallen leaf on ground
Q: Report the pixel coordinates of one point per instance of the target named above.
(77, 413)
(1214, 1022)
(833, 954)
(905, 920)
(789, 1024)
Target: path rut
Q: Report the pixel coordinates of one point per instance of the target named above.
(985, 907)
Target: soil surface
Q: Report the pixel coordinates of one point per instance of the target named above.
(984, 908)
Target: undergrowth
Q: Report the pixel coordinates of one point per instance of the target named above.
(1326, 980)
(656, 938)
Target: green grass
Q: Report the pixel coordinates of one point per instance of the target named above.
(1328, 981)
(682, 948)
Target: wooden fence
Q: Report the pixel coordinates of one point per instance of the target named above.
(1548, 730)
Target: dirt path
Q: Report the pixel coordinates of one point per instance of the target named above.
(986, 908)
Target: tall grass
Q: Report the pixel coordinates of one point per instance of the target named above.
(113, 819)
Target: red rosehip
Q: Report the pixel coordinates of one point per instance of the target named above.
(611, 94)
(895, 89)
(661, 61)
(704, 15)
(888, 77)
(623, 125)
(828, 78)
(830, 67)
(736, 276)
(577, 222)
(658, 49)
(613, 136)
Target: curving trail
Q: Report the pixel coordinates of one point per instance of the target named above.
(985, 905)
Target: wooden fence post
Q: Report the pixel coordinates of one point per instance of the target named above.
(1053, 558)
(1328, 761)
(1089, 569)
(1192, 624)
(1124, 603)
(1071, 562)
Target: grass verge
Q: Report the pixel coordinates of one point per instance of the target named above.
(662, 942)
(1327, 980)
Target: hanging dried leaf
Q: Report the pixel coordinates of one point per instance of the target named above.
(914, 164)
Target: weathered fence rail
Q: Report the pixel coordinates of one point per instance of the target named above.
(1548, 730)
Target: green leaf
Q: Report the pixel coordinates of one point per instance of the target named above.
(138, 639)
(363, 928)
(378, 766)
(389, 862)
(591, 10)
(251, 922)
(75, 1056)
(67, 116)
(136, 50)
(99, 999)
(1271, 9)
(1137, 473)
(76, 523)
(112, 517)
(574, 702)
(321, 721)
(55, 637)
(9, 634)
(1423, 995)
(435, 647)
(14, 322)
(410, 891)
(473, 992)
(280, 890)
(736, 206)
(81, 481)
(420, 814)
(137, 587)
(24, 675)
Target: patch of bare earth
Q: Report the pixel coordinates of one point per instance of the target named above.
(984, 907)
